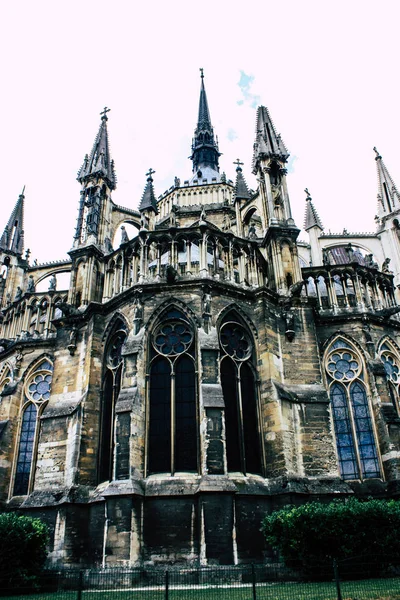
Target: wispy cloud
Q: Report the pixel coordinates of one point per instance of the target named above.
(232, 135)
(290, 165)
(245, 85)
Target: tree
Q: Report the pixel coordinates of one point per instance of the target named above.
(23, 542)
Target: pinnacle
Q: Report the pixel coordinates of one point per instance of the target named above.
(311, 218)
(99, 161)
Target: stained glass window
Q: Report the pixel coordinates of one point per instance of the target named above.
(239, 390)
(172, 434)
(355, 440)
(391, 363)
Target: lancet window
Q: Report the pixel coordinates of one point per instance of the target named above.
(354, 430)
(112, 375)
(37, 391)
(391, 362)
(173, 421)
(238, 379)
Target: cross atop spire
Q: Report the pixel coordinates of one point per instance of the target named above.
(99, 162)
(238, 164)
(201, 72)
(12, 239)
(149, 174)
(104, 113)
(149, 201)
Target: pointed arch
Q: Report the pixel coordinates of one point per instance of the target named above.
(238, 373)
(356, 443)
(172, 406)
(389, 354)
(112, 325)
(36, 394)
(239, 313)
(170, 304)
(116, 332)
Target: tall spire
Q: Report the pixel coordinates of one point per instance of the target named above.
(268, 144)
(149, 199)
(311, 218)
(99, 162)
(388, 196)
(12, 239)
(205, 153)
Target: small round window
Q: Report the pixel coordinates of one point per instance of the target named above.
(343, 365)
(172, 338)
(235, 341)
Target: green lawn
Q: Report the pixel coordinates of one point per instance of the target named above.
(374, 589)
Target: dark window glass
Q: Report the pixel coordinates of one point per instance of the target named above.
(344, 436)
(185, 416)
(106, 445)
(250, 430)
(25, 453)
(232, 429)
(160, 417)
(364, 432)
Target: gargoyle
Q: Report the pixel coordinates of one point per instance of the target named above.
(67, 309)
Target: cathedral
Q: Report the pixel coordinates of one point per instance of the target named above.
(203, 370)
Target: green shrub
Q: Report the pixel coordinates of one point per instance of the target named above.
(23, 542)
(315, 533)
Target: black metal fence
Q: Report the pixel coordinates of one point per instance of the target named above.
(341, 580)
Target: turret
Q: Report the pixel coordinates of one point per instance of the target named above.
(11, 250)
(314, 228)
(242, 194)
(148, 203)
(205, 153)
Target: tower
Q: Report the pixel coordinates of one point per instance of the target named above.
(269, 159)
(11, 250)
(93, 230)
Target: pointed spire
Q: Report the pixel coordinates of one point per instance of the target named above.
(205, 153)
(12, 239)
(311, 218)
(241, 189)
(388, 195)
(99, 162)
(148, 201)
(268, 144)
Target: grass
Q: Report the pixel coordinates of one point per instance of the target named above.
(368, 589)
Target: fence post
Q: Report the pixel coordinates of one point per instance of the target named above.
(166, 584)
(253, 581)
(80, 586)
(337, 580)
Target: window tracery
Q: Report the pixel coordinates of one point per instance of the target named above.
(37, 390)
(354, 432)
(243, 450)
(391, 362)
(172, 431)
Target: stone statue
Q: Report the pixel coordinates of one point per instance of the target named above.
(326, 259)
(18, 294)
(252, 235)
(144, 221)
(31, 285)
(108, 245)
(172, 218)
(52, 283)
(350, 252)
(124, 235)
(137, 315)
(171, 274)
(203, 215)
(177, 182)
(207, 302)
(385, 266)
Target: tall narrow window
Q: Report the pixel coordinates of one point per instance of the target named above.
(172, 432)
(36, 394)
(240, 397)
(110, 391)
(355, 439)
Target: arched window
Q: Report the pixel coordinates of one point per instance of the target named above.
(355, 439)
(172, 431)
(37, 390)
(390, 359)
(110, 390)
(240, 397)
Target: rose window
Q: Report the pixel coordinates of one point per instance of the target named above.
(391, 368)
(39, 387)
(235, 341)
(173, 338)
(343, 366)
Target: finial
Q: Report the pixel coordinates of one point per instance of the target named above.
(377, 154)
(104, 112)
(239, 164)
(23, 192)
(149, 174)
(308, 194)
(201, 72)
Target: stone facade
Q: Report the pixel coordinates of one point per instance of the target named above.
(206, 371)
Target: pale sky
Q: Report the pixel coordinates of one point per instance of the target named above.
(327, 71)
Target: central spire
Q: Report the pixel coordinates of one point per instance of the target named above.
(205, 152)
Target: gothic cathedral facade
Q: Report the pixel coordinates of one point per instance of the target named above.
(201, 372)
